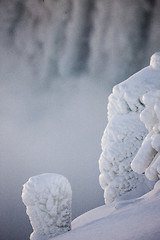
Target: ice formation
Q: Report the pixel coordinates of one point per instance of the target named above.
(48, 204)
(148, 157)
(125, 132)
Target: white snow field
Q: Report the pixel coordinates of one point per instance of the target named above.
(125, 132)
(136, 219)
(48, 200)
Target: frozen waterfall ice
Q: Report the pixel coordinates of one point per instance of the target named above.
(68, 38)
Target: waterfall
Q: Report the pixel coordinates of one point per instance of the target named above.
(65, 38)
(59, 60)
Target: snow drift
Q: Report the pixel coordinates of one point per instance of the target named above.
(136, 219)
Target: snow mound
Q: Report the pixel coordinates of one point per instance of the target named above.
(148, 157)
(48, 204)
(124, 133)
(136, 219)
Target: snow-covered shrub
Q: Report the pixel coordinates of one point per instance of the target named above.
(48, 200)
(148, 157)
(125, 132)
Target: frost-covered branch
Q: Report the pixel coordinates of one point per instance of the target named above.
(48, 200)
(148, 157)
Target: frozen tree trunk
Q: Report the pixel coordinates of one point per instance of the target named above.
(48, 200)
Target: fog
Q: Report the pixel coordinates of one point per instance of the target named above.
(56, 129)
(58, 63)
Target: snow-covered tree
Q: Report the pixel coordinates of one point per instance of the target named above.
(148, 157)
(125, 132)
(48, 200)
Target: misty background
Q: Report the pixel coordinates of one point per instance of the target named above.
(59, 60)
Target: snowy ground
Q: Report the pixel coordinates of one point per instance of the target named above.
(136, 219)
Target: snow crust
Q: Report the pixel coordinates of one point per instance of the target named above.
(136, 219)
(48, 204)
(125, 132)
(148, 157)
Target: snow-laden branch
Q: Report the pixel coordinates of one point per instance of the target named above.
(148, 157)
(48, 204)
(125, 132)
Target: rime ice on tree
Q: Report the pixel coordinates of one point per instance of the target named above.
(125, 132)
(48, 204)
(148, 157)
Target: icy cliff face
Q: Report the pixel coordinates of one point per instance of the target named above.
(125, 132)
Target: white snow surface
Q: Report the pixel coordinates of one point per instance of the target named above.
(48, 204)
(135, 219)
(148, 157)
(125, 132)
